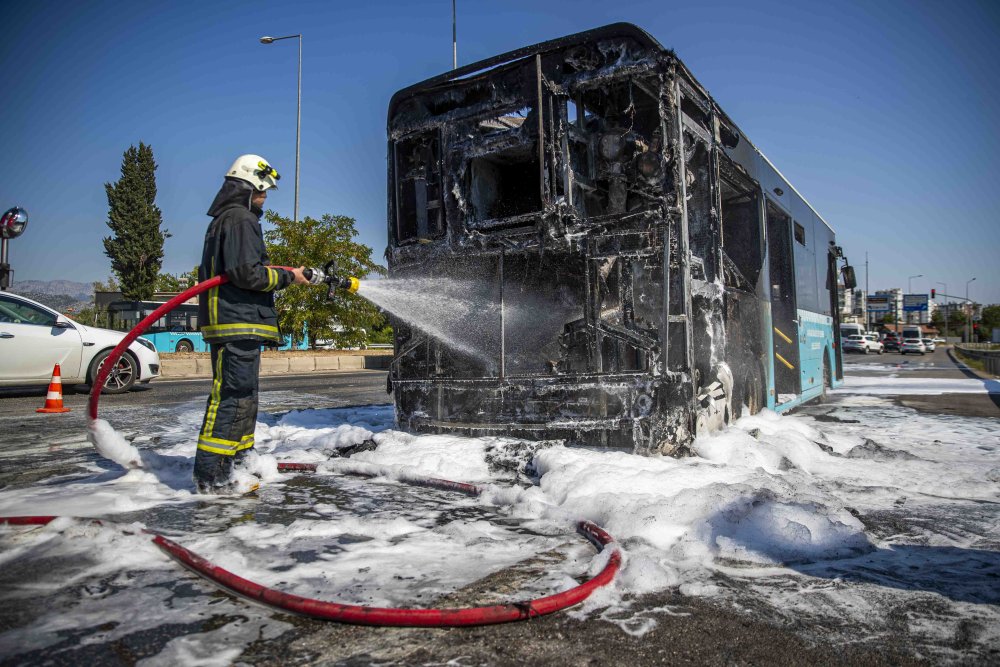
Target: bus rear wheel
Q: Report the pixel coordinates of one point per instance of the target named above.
(184, 346)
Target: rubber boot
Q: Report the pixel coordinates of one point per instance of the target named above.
(212, 473)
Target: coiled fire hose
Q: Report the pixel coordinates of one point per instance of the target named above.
(333, 611)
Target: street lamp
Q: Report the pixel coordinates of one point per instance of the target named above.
(298, 115)
(968, 316)
(12, 224)
(909, 290)
(945, 293)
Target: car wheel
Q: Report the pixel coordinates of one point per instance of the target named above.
(121, 378)
(866, 350)
(184, 346)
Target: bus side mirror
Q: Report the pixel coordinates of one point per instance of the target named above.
(850, 282)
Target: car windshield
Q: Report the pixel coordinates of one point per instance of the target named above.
(912, 341)
(854, 338)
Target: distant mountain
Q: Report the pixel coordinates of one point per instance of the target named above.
(66, 296)
(69, 288)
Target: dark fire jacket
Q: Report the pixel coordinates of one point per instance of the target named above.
(243, 308)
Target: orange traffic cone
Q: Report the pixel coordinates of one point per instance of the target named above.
(53, 400)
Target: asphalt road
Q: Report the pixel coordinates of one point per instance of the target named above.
(36, 447)
(938, 364)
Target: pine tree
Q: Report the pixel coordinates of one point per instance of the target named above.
(136, 245)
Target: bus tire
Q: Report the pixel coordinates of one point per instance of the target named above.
(184, 345)
(121, 379)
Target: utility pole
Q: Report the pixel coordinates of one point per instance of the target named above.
(868, 314)
(454, 37)
(909, 290)
(968, 314)
(946, 308)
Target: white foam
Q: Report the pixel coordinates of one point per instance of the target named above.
(111, 445)
(854, 384)
(764, 502)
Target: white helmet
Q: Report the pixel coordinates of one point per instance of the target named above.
(256, 171)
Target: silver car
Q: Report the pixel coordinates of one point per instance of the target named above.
(913, 346)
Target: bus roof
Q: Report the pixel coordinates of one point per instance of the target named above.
(610, 31)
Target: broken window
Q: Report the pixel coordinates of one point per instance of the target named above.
(418, 192)
(615, 147)
(505, 184)
(503, 179)
(741, 228)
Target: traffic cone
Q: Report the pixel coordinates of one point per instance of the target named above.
(53, 400)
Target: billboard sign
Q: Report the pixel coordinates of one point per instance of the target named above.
(878, 303)
(915, 303)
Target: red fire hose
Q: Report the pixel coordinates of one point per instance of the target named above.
(361, 615)
(112, 359)
(331, 610)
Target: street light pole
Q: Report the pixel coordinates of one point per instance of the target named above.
(968, 314)
(909, 290)
(298, 115)
(454, 37)
(945, 292)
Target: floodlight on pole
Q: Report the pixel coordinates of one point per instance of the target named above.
(298, 114)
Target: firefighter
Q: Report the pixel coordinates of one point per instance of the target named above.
(236, 318)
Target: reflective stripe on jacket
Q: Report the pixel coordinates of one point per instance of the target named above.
(243, 308)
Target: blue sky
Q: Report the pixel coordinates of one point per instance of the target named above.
(883, 114)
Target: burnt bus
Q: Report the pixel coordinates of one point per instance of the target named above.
(641, 273)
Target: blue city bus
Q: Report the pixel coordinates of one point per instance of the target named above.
(642, 272)
(177, 331)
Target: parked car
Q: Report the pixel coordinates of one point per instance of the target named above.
(912, 345)
(929, 344)
(34, 338)
(864, 344)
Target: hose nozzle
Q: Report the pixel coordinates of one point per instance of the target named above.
(328, 275)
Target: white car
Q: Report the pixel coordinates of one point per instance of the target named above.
(912, 345)
(34, 338)
(929, 344)
(864, 344)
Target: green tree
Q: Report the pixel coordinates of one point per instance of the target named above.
(312, 242)
(989, 321)
(168, 282)
(135, 247)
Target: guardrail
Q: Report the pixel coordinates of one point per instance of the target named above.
(984, 352)
(275, 363)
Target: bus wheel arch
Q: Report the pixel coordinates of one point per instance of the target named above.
(184, 345)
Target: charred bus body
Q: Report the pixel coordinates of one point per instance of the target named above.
(642, 272)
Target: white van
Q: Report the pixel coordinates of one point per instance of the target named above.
(850, 329)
